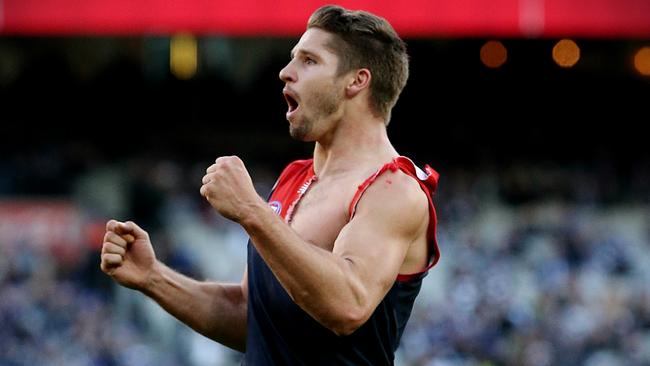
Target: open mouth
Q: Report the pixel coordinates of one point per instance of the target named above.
(292, 102)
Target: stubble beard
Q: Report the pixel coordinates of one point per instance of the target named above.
(324, 105)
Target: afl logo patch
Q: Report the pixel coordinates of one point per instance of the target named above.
(276, 206)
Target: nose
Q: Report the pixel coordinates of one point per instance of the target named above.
(287, 74)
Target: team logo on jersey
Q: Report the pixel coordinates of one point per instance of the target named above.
(276, 206)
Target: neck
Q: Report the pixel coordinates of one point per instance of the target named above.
(353, 144)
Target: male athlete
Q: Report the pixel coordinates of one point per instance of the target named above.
(337, 255)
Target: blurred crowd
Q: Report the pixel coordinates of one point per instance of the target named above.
(555, 281)
(541, 265)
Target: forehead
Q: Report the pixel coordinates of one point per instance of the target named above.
(316, 41)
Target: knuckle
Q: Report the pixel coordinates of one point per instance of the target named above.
(112, 248)
(113, 238)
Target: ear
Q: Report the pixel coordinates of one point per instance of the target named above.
(359, 82)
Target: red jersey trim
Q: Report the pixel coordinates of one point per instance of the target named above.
(428, 180)
(291, 186)
(291, 169)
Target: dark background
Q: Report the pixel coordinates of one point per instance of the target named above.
(454, 110)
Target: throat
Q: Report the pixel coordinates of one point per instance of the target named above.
(350, 147)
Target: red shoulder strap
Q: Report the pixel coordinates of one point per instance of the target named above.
(428, 180)
(290, 170)
(287, 189)
(364, 186)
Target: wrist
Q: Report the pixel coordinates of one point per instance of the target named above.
(152, 279)
(251, 214)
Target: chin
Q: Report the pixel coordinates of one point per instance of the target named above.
(302, 130)
(300, 135)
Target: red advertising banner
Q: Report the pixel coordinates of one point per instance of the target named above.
(40, 224)
(412, 18)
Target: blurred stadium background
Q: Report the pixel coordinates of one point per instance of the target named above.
(533, 111)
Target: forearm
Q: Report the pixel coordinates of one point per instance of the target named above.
(321, 283)
(216, 310)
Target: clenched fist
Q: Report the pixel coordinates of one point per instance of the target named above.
(229, 188)
(127, 255)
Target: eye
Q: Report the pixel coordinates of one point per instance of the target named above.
(310, 61)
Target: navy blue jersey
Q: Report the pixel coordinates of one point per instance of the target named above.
(280, 333)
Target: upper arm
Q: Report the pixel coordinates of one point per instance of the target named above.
(390, 216)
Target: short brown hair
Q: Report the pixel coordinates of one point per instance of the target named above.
(364, 40)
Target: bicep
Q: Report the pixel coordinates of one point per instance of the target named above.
(389, 217)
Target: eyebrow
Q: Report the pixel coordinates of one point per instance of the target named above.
(304, 52)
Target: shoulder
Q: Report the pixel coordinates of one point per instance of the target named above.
(396, 197)
(398, 187)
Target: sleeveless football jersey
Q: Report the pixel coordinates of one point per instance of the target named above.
(279, 332)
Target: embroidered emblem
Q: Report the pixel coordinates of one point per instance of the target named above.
(276, 206)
